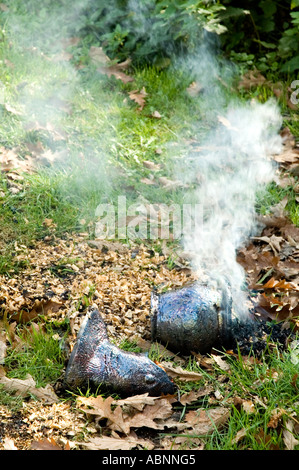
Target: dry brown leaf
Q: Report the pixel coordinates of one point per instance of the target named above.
(169, 184)
(119, 420)
(276, 415)
(3, 346)
(45, 444)
(220, 362)
(112, 443)
(205, 421)
(181, 443)
(194, 89)
(12, 110)
(138, 97)
(3, 7)
(137, 401)
(147, 181)
(116, 72)
(9, 160)
(287, 156)
(156, 115)
(251, 79)
(73, 41)
(27, 387)
(288, 435)
(240, 434)
(152, 416)
(98, 56)
(182, 374)
(192, 396)
(225, 122)
(248, 406)
(101, 408)
(57, 134)
(9, 444)
(63, 56)
(151, 165)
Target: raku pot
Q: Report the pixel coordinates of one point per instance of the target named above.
(193, 318)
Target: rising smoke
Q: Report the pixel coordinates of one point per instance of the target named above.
(232, 164)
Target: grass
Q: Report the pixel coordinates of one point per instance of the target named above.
(41, 355)
(271, 385)
(104, 141)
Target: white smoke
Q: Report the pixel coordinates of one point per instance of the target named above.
(232, 164)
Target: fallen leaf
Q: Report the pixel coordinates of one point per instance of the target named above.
(194, 89)
(63, 56)
(12, 110)
(45, 444)
(248, 406)
(152, 416)
(101, 408)
(205, 421)
(240, 435)
(156, 115)
(3, 346)
(192, 396)
(220, 362)
(73, 41)
(265, 440)
(117, 73)
(276, 415)
(225, 122)
(10, 160)
(3, 7)
(27, 387)
(287, 156)
(169, 184)
(137, 401)
(112, 443)
(288, 435)
(147, 181)
(182, 374)
(253, 78)
(151, 165)
(9, 444)
(138, 97)
(98, 56)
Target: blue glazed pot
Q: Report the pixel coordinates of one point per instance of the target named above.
(193, 318)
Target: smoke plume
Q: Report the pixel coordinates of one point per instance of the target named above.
(231, 165)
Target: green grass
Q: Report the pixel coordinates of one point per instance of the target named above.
(39, 353)
(272, 195)
(41, 356)
(270, 383)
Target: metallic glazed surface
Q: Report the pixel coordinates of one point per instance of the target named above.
(192, 318)
(96, 362)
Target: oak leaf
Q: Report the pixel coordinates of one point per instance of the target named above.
(138, 97)
(288, 435)
(180, 373)
(25, 387)
(205, 421)
(113, 443)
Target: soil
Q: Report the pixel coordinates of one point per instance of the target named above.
(256, 335)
